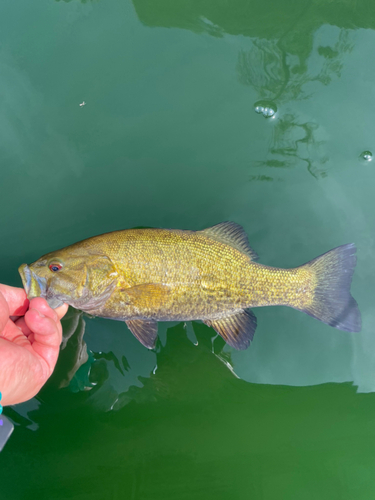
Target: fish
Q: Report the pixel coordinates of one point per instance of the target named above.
(143, 276)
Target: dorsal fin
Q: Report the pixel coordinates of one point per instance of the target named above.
(231, 234)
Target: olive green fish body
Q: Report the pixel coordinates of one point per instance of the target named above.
(147, 275)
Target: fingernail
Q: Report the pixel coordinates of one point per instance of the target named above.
(39, 313)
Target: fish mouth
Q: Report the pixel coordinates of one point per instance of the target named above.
(34, 285)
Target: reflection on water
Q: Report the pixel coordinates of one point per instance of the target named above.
(211, 437)
(178, 435)
(292, 20)
(282, 65)
(295, 143)
(280, 77)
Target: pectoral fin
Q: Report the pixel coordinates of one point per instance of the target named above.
(149, 294)
(145, 331)
(237, 330)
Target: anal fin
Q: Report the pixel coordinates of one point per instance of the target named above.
(145, 331)
(237, 330)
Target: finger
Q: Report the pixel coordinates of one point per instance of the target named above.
(12, 333)
(21, 324)
(61, 310)
(16, 298)
(47, 336)
(4, 312)
(46, 330)
(42, 306)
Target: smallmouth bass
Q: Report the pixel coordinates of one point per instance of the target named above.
(142, 276)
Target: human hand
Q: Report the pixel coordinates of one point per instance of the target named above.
(30, 337)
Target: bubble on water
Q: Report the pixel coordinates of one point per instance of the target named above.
(266, 108)
(366, 155)
(268, 112)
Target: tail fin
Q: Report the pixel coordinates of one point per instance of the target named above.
(332, 302)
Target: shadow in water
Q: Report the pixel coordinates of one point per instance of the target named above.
(192, 413)
(73, 349)
(90, 373)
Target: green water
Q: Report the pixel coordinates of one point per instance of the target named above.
(169, 137)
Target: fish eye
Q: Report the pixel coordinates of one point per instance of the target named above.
(55, 266)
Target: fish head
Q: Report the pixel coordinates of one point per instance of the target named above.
(79, 278)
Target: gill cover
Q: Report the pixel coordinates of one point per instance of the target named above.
(100, 279)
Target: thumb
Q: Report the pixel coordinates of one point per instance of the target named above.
(45, 337)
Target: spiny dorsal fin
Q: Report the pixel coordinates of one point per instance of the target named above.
(237, 330)
(231, 234)
(145, 331)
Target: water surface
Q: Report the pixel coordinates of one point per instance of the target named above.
(196, 113)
